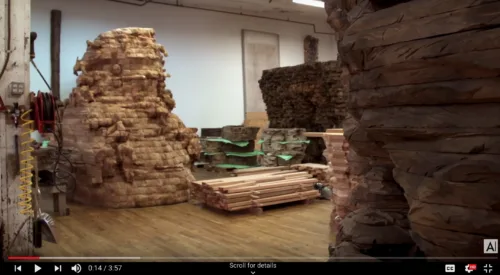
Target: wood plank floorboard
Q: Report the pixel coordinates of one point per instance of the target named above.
(186, 232)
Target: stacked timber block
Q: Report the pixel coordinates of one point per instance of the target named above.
(306, 96)
(237, 155)
(311, 49)
(254, 188)
(129, 149)
(256, 119)
(282, 146)
(320, 171)
(207, 146)
(235, 148)
(336, 153)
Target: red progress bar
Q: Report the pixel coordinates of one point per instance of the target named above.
(25, 258)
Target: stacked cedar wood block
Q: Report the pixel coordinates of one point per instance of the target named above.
(129, 149)
(207, 146)
(256, 119)
(256, 188)
(311, 49)
(306, 96)
(282, 146)
(234, 148)
(319, 171)
(336, 154)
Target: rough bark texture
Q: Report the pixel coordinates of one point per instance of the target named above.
(311, 49)
(132, 151)
(277, 144)
(302, 97)
(425, 112)
(216, 152)
(211, 132)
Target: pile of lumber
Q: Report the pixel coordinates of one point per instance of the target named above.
(320, 171)
(307, 96)
(256, 188)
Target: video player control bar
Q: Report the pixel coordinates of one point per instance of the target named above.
(251, 268)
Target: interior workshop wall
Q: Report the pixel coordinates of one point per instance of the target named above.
(205, 51)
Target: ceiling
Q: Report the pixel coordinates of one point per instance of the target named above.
(282, 9)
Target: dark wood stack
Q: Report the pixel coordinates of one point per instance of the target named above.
(283, 146)
(211, 132)
(210, 147)
(240, 134)
(425, 117)
(306, 96)
(223, 146)
(311, 49)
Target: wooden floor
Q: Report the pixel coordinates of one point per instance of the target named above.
(186, 232)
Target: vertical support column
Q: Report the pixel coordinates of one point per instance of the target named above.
(17, 238)
(55, 52)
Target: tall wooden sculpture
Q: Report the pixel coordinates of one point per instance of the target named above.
(424, 106)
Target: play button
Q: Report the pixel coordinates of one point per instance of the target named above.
(37, 268)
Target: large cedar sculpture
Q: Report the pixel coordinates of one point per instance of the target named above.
(302, 96)
(424, 102)
(131, 150)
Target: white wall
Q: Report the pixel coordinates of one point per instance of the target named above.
(205, 52)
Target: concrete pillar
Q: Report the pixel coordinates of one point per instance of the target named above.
(17, 237)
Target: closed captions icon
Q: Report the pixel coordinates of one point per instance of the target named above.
(449, 268)
(77, 268)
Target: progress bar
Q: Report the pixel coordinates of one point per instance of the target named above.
(34, 258)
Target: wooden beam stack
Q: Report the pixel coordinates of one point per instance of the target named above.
(320, 171)
(341, 180)
(256, 188)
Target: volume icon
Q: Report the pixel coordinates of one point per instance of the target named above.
(77, 268)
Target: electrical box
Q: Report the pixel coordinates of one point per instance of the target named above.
(16, 88)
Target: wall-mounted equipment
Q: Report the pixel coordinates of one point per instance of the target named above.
(16, 88)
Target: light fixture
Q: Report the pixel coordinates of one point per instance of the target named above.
(313, 3)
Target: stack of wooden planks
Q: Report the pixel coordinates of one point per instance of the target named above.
(256, 188)
(320, 171)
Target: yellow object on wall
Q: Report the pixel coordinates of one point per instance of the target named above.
(26, 165)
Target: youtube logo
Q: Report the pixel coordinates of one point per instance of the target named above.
(470, 267)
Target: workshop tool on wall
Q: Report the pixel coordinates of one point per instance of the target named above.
(16, 114)
(43, 227)
(33, 36)
(18, 159)
(44, 112)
